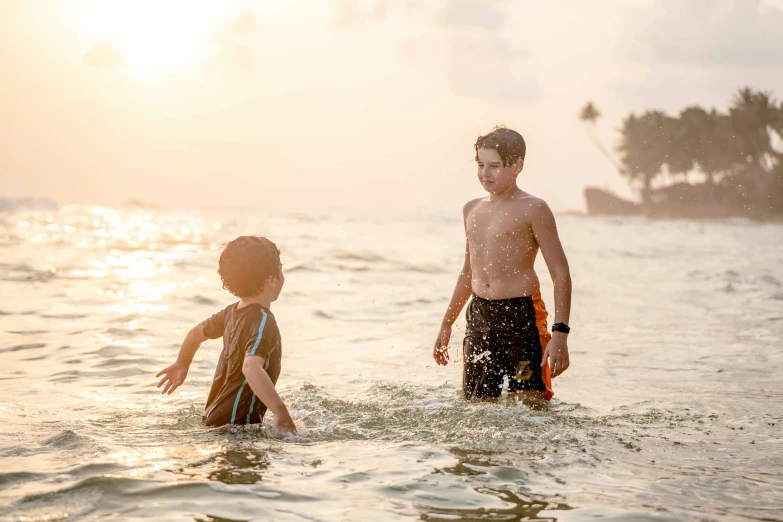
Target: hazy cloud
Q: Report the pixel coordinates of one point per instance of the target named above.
(230, 55)
(485, 63)
(478, 47)
(498, 85)
(489, 68)
(354, 13)
(715, 32)
(231, 49)
(104, 55)
(348, 13)
(466, 40)
(244, 23)
(487, 15)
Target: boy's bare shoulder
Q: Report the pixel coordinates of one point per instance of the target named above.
(533, 205)
(469, 206)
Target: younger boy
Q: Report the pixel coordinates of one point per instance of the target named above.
(249, 365)
(506, 333)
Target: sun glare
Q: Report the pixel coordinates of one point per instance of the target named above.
(155, 39)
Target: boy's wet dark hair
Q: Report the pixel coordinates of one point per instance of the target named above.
(246, 263)
(509, 143)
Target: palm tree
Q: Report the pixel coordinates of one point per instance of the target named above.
(589, 113)
(753, 115)
(778, 125)
(776, 189)
(696, 140)
(589, 116)
(680, 155)
(643, 150)
(709, 139)
(720, 151)
(740, 152)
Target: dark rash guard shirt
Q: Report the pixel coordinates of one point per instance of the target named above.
(247, 331)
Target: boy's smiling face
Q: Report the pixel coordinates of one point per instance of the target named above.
(493, 175)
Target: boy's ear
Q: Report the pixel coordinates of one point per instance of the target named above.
(519, 165)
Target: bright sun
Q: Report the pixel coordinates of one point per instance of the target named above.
(155, 39)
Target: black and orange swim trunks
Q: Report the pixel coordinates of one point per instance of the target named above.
(505, 338)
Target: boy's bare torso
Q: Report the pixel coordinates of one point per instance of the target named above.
(502, 247)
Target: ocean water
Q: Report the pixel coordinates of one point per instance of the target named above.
(671, 409)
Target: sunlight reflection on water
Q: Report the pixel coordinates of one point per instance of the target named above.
(655, 419)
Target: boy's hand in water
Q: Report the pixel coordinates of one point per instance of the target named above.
(173, 377)
(557, 353)
(441, 350)
(283, 423)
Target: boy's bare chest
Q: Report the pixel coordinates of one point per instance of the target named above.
(485, 228)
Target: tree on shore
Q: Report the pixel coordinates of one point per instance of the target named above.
(753, 116)
(589, 116)
(739, 152)
(644, 148)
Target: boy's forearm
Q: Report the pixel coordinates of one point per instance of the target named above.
(190, 346)
(458, 299)
(562, 298)
(263, 387)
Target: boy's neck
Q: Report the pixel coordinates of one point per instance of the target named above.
(507, 194)
(262, 299)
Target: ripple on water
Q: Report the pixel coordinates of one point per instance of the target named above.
(62, 316)
(125, 333)
(388, 450)
(203, 300)
(18, 347)
(67, 439)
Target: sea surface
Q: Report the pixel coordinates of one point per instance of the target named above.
(672, 408)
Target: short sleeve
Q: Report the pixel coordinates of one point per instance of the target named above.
(215, 325)
(263, 341)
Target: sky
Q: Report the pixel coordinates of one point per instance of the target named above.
(350, 104)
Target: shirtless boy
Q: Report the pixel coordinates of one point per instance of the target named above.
(506, 333)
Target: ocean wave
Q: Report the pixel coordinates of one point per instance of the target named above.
(62, 316)
(18, 477)
(67, 439)
(368, 257)
(299, 266)
(18, 347)
(203, 300)
(119, 362)
(125, 333)
(393, 412)
(16, 204)
(25, 274)
(424, 268)
(85, 495)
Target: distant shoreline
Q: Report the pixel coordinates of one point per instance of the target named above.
(602, 202)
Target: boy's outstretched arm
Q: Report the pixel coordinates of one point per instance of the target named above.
(262, 386)
(174, 375)
(545, 232)
(458, 299)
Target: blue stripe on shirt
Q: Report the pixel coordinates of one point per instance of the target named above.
(252, 352)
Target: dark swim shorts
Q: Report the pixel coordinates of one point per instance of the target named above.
(505, 338)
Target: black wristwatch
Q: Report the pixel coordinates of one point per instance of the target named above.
(561, 327)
